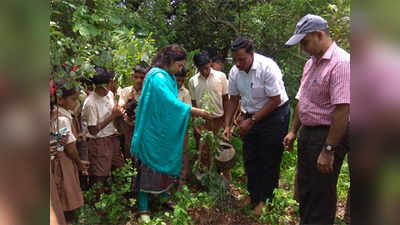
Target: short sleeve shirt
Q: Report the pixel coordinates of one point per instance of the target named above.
(184, 95)
(95, 110)
(324, 84)
(63, 121)
(124, 95)
(215, 84)
(264, 80)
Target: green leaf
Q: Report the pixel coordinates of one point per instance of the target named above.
(145, 57)
(56, 12)
(69, 4)
(93, 30)
(115, 20)
(95, 17)
(333, 7)
(86, 30)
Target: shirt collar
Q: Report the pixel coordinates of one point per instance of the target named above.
(65, 112)
(328, 54)
(97, 95)
(255, 63)
(211, 74)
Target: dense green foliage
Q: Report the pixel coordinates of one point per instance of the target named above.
(88, 33)
(115, 205)
(119, 35)
(200, 24)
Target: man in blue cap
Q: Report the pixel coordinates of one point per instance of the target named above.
(323, 114)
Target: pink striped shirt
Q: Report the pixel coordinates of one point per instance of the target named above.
(324, 84)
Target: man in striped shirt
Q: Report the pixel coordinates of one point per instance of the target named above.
(322, 113)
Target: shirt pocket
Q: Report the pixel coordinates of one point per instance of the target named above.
(217, 89)
(257, 93)
(318, 89)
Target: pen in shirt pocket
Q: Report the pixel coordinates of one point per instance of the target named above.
(251, 85)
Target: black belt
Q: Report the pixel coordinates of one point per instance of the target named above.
(323, 126)
(317, 127)
(249, 115)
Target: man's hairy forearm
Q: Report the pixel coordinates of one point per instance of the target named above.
(230, 108)
(271, 105)
(339, 124)
(296, 124)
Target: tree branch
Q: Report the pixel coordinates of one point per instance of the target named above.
(91, 5)
(225, 22)
(215, 20)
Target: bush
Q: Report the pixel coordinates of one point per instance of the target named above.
(114, 207)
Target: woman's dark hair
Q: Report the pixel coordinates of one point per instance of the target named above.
(168, 55)
(181, 73)
(243, 42)
(201, 58)
(140, 69)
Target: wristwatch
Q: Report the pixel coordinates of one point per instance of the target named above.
(330, 148)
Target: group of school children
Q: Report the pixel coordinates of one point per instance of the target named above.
(91, 130)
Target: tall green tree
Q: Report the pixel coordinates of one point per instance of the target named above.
(101, 32)
(199, 24)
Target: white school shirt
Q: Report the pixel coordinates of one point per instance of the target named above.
(184, 95)
(64, 121)
(215, 84)
(95, 110)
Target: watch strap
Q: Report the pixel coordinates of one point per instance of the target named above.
(330, 147)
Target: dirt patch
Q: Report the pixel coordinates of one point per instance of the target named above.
(217, 217)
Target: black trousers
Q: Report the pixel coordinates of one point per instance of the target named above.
(263, 148)
(317, 191)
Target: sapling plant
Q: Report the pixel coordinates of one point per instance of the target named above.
(217, 186)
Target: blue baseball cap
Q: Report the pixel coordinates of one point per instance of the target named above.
(309, 23)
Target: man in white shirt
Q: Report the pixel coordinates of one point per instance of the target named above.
(258, 81)
(209, 90)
